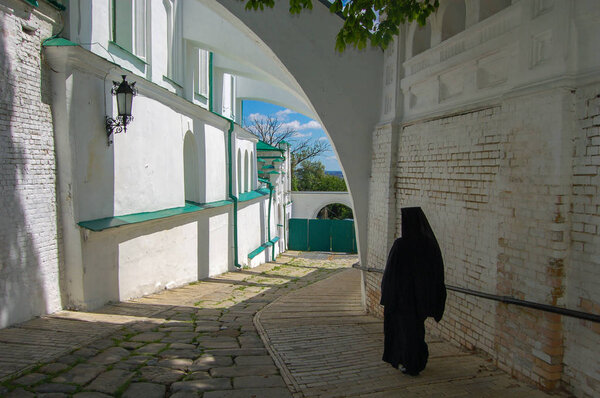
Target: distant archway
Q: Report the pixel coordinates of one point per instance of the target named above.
(335, 211)
(454, 19)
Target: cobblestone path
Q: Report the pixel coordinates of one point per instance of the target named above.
(207, 339)
(197, 340)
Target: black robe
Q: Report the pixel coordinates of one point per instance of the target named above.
(412, 289)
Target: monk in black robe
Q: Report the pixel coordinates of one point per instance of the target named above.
(412, 289)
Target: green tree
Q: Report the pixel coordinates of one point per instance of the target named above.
(336, 211)
(374, 21)
(310, 176)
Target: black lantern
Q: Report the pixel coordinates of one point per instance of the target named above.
(124, 92)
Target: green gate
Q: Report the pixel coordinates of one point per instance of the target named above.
(322, 235)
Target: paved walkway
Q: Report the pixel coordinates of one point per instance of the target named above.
(207, 340)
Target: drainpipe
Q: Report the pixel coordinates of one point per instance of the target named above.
(269, 221)
(232, 196)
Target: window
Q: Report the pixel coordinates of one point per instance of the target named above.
(228, 106)
(202, 74)
(129, 25)
(454, 19)
(421, 39)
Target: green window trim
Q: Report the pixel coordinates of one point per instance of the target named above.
(129, 53)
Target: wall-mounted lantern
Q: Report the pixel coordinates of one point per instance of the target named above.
(124, 92)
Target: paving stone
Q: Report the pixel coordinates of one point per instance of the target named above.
(53, 367)
(69, 359)
(156, 374)
(52, 395)
(250, 342)
(198, 376)
(144, 390)
(189, 328)
(236, 371)
(182, 346)
(110, 356)
(30, 379)
(234, 352)
(208, 326)
(152, 348)
(79, 374)
(89, 394)
(148, 337)
(55, 387)
(252, 360)
(185, 394)
(201, 385)
(102, 344)
(217, 342)
(208, 361)
(176, 363)
(85, 352)
(131, 345)
(258, 381)
(189, 354)
(180, 337)
(20, 393)
(251, 393)
(226, 332)
(109, 382)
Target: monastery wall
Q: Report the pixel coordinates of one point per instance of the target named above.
(29, 238)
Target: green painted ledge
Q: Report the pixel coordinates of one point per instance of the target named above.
(244, 197)
(262, 247)
(58, 42)
(113, 222)
(190, 207)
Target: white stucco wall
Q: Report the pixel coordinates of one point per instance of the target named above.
(252, 217)
(307, 204)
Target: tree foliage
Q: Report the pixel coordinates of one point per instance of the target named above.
(273, 130)
(310, 176)
(336, 211)
(365, 21)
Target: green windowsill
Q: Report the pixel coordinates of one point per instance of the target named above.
(173, 82)
(128, 54)
(113, 222)
(58, 42)
(262, 247)
(246, 196)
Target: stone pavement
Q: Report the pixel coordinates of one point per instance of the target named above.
(206, 340)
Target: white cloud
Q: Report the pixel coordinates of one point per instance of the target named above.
(256, 116)
(301, 135)
(296, 125)
(323, 139)
(283, 114)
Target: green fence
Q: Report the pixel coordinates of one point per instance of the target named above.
(322, 235)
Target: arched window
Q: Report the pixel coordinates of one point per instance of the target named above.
(239, 171)
(191, 168)
(454, 19)
(487, 8)
(246, 172)
(421, 39)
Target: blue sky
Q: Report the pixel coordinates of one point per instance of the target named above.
(306, 127)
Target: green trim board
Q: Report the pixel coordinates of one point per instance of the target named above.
(262, 247)
(262, 158)
(113, 222)
(246, 196)
(58, 42)
(173, 82)
(263, 146)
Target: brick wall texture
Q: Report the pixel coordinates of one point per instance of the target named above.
(29, 260)
(511, 191)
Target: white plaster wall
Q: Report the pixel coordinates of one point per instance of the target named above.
(308, 204)
(134, 260)
(252, 218)
(215, 169)
(219, 243)
(148, 160)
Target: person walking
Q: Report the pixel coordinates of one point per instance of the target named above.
(412, 289)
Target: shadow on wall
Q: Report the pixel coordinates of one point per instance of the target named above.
(22, 290)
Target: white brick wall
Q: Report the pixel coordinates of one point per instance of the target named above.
(29, 259)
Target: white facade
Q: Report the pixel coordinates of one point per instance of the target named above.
(308, 204)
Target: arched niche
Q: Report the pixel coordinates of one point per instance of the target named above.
(191, 168)
(421, 40)
(239, 171)
(454, 18)
(487, 8)
(246, 172)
